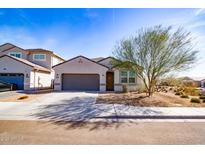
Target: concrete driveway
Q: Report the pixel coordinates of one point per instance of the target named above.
(81, 106)
(57, 106)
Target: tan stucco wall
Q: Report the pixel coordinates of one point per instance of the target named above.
(55, 60)
(40, 80)
(23, 52)
(80, 65)
(46, 63)
(8, 65)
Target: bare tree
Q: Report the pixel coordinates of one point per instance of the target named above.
(155, 52)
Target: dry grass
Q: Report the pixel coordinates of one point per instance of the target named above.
(157, 100)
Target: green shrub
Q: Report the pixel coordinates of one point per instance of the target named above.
(195, 100)
(184, 96)
(202, 97)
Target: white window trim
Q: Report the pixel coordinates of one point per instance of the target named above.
(39, 59)
(128, 76)
(123, 77)
(15, 52)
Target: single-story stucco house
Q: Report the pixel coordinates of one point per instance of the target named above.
(28, 69)
(81, 73)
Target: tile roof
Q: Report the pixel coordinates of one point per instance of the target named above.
(84, 58)
(38, 50)
(97, 59)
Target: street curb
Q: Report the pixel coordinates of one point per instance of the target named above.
(151, 117)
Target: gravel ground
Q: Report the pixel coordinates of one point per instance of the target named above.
(34, 132)
(141, 100)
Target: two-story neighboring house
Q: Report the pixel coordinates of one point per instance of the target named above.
(27, 68)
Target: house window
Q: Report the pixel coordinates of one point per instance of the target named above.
(16, 54)
(124, 76)
(127, 76)
(39, 57)
(131, 77)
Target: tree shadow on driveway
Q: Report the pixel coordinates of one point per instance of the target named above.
(80, 111)
(75, 112)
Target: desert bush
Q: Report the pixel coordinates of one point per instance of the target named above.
(203, 100)
(184, 96)
(191, 91)
(180, 89)
(124, 89)
(195, 100)
(178, 93)
(202, 97)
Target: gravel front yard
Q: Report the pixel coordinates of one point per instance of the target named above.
(157, 100)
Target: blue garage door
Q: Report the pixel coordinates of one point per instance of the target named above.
(17, 79)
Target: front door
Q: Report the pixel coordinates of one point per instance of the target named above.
(110, 81)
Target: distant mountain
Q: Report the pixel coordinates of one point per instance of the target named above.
(192, 78)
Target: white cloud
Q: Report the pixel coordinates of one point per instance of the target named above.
(199, 11)
(196, 24)
(21, 37)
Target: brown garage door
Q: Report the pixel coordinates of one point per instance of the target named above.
(80, 82)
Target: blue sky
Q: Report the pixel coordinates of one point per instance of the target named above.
(94, 32)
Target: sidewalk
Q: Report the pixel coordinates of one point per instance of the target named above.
(123, 110)
(99, 112)
(158, 114)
